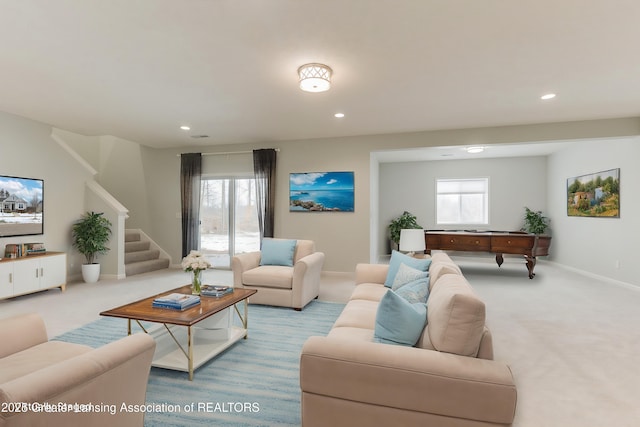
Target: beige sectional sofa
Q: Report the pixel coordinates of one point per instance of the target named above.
(39, 379)
(448, 378)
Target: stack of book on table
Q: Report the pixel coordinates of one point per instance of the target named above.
(176, 301)
(215, 290)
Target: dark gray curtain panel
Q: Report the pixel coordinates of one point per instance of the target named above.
(190, 172)
(264, 168)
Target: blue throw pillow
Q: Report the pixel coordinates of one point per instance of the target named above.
(416, 291)
(407, 274)
(398, 321)
(398, 258)
(277, 252)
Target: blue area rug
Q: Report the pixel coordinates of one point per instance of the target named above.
(253, 383)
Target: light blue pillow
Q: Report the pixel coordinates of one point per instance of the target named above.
(415, 292)
(407, 274)
(398, 258)
(277, 252)
(398, 321)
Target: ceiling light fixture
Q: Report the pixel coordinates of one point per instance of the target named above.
(338, 115)
(314, 77)
(185, 127)
(548, 96)
(475, 150)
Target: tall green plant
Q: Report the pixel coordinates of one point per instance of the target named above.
(91, 234)
(404, 221)
(535, 222)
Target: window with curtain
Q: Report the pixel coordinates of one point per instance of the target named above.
(462, 201)
(190, 172)
(264, 165)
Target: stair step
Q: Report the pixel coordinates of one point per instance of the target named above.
(138, 256)
(131, 236)
(136, 246)
(145, 266)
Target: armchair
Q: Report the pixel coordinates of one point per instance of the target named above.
(281, 285)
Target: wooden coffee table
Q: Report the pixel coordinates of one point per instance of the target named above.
(207, 329)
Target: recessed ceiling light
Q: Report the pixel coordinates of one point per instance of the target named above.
(475, 150)
(548, 96)
(339, 115)
(185, 127)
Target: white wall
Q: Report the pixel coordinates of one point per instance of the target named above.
(346, 238)
(148, 180)
(121, 173)
(513, 184)
(602, 246)
(27, 150)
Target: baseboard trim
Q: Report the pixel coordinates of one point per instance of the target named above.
(626, 285)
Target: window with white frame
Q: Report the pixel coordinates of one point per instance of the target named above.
(462, 201)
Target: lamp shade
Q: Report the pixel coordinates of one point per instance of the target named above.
(412, 240)
(314, 77)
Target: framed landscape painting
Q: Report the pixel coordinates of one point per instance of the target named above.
(21, 206)
(595, 195)
(321, 192)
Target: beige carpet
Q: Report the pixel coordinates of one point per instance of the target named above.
(573, 342)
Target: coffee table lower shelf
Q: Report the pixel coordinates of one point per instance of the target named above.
(206, 345)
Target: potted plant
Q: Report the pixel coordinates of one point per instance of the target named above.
(535, 222)
(90, 236)
(404, 221)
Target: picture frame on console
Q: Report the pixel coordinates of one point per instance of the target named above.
(21, 206)
(594, 195)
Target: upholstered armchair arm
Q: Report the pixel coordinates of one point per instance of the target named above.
(371, 273)
(241, 263)
(113, 374)
(21, 332)
(306, 278)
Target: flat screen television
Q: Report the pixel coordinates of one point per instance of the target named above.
(21, 206)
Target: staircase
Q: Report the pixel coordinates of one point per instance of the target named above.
(139, 257)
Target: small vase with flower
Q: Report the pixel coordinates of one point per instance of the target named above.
(195, 262)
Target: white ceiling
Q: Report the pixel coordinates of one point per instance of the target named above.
(460, 152)
(140, 69)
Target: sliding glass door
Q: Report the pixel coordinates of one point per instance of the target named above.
(228, 219)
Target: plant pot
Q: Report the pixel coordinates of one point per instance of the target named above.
(90, 273)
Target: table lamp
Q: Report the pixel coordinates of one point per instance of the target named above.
(412, 241)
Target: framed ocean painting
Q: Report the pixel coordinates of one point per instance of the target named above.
(321, 192)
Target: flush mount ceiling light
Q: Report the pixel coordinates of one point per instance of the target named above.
(475, 150)
(338, 115)
(185, 127)
(548, 96)
(314, 77)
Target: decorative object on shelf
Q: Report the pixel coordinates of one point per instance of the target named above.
(404, 221)
(412, 241)
(596, 194)
(535, 222)
(90, 236)
(314, 77)
(17, 250)
(195, 262)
